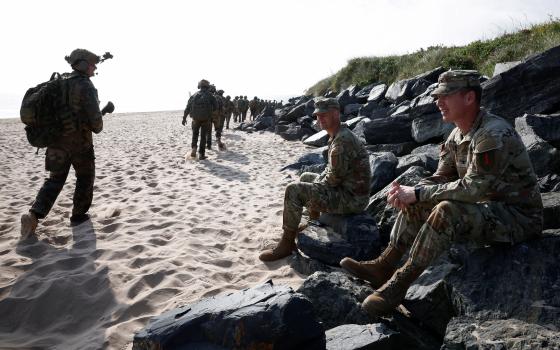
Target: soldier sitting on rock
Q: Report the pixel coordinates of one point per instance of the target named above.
(484, 191)
(343, 188)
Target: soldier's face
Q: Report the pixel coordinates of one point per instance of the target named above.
(328, 119)
(91, 69)
(454, 106)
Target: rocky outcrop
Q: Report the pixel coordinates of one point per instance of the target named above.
(532, 86)
(265, 316)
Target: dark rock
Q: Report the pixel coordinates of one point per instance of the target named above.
(386, 130)
(428, 299)
(432, 75)
(398, 149)
(400, 91)
(319, 139)
(424, 103)
(360, 337)
(306, 120)
(544, 157)
(264, 122)
(352, 109)
(472, 334)
(310, 107)
(533, 86)
(363, 95)
(347, 97)
(353, 122)
(336, 298)
(367, 109)
(330, 94)
(386, 215)
(340, 236)
(504, 281)
(547, 127)
(401, 108)
(311, 158)
(379, 112)
(377, 93)
(420, 86)
(424, 160)
(430, 149)
(308, 266)
(549, 182)
(294, 132)
(294, 113)
(265, 316)
(430, 126)
(314, 168)
(382, 165)
(551, 213)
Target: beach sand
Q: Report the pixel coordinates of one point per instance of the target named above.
(165, 230)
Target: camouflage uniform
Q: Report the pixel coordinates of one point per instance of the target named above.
(253, 107)
(236, 109)
(200, 126)
(228, 109)
(243, 105)
(343, 188)
(74, 148)
(216, 121)
(484, 190)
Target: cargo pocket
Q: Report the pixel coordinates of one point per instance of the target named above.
(56, 160)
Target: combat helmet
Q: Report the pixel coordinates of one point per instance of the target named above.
(82, 55)
(203, 84)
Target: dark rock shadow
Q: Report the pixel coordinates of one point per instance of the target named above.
(225, 172)
(233, 157)
(63, 300)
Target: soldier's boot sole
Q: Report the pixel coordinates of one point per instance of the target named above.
(28, 225)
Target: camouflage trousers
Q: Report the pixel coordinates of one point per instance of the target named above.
(429, 228)
(243, 115)
(217, 123)
(200, 127)
(228, 118)
(317, 196)
(58, 162)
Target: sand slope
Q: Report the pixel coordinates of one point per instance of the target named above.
(165, 230)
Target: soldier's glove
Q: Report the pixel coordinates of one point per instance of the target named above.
(184, 122)
(109, 108)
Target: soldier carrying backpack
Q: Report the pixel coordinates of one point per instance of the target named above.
(61, 115)
(200, 107)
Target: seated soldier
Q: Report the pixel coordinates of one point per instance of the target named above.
(343, 188)
(484, 191)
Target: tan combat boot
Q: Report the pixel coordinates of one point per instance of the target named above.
(284, 248)
(376, 271)
(193, 153)
(390, 295)
(29, 223)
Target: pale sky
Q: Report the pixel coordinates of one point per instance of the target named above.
(271, 49)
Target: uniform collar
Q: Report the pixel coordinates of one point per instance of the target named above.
(459, 138)
(342, 126)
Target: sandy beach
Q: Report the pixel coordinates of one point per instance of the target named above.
(165, 230)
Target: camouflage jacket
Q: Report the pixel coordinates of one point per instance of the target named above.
(489, 163)
(84, 104)
(348, 169)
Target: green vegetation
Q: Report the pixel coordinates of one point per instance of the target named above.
(480, 55)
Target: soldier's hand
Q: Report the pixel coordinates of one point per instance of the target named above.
(400, 197)
(184, 122)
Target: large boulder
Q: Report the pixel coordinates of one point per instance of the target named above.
(294, 132)
(339, 236)
(348, 96)
(504, 281)
(336, 298)
(265, 316)
(386, 130)
(311, 158)
(427, 160)
(263, 122)
(551, 212)
(547, 127)
(398, 149)
(293, 114)
(352, 109)
(319, 139)
(360, 337)
(382, 165)
(549, 183)
(544, 156)
(430, 126)
(473, 334)
(407, 89)
(424, 103)
(377, 92)
(532, 86)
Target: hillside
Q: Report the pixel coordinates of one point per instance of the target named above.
(481, 55)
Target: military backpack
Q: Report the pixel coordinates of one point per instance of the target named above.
(46, 112)
(202, 106)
